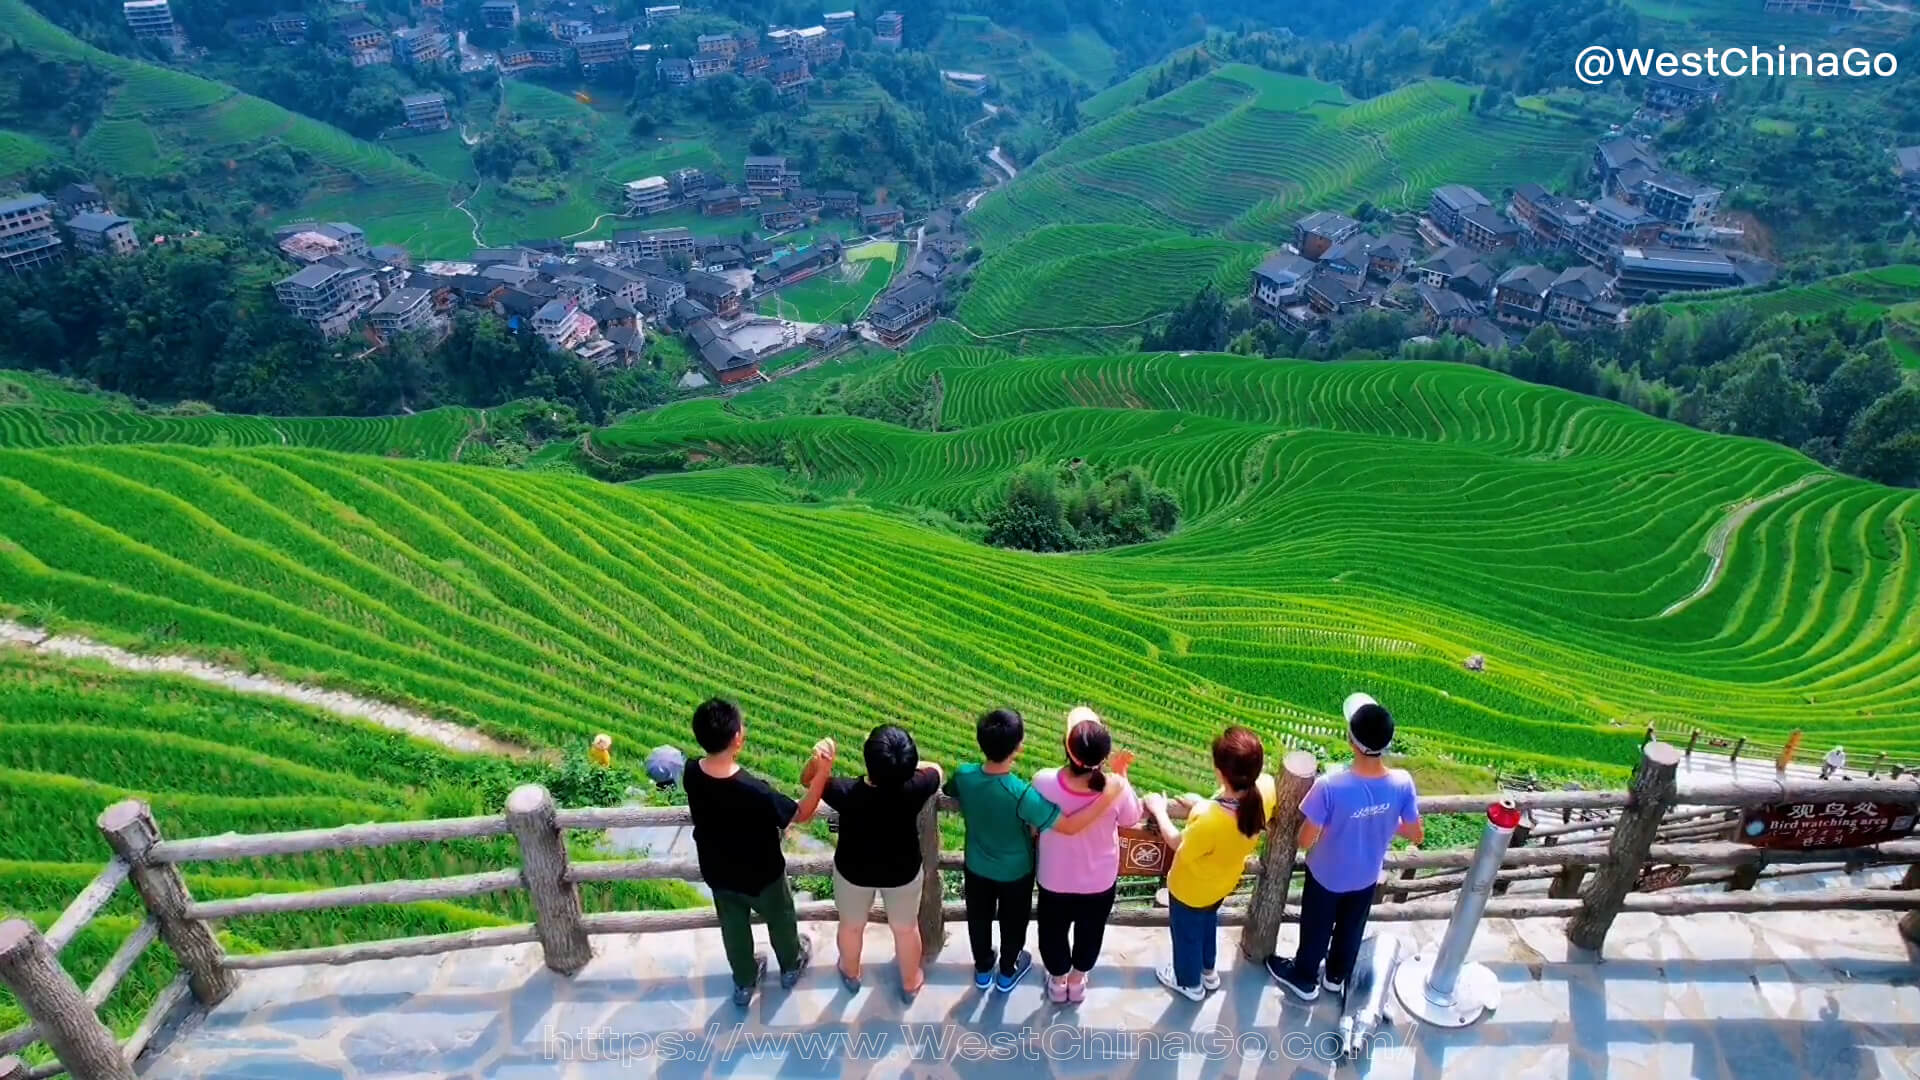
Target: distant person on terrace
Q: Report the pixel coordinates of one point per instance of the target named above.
(1351, 817)
(1077, 873)
(879, 850)
(1002, 813)
(738, 822)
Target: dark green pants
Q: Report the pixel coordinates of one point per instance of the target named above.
(736, 910)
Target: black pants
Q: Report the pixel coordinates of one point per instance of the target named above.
(1335, 919)
(1010, 903)
(1072, 928)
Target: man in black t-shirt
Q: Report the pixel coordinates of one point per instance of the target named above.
(738, 822)
(879, 850)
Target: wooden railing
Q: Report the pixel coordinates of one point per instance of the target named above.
(1593, 864)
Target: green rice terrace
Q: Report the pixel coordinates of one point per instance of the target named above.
(1343, 527)
(1886, 293)
(1211, 175)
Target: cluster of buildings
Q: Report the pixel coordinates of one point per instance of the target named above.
(1649, 231)
(35, 231)
(769, 187)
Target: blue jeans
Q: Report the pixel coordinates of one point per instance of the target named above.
(1196, 937)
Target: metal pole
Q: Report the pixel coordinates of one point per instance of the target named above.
(1691, 739)
(1440, 987)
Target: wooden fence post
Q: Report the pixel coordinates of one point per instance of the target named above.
(933, 924)
(51, 999)
(1746, 874)
(1691, 739)
(1268, 907)
(543, 865)
(1737, 745)
(1650, 796)
(1786, 754)
(131, 832)
(12, 1068)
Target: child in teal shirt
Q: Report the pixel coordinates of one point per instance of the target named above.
(1002, 814)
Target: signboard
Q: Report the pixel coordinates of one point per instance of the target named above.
(1800, 826)
(1143, 853)
(1655, 878)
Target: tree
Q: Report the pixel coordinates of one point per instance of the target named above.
(1762, 400)
(1884, 444)
(1865, 378)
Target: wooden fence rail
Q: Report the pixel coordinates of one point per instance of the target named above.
(1594, 866)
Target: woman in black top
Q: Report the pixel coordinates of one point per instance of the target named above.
(879, 851)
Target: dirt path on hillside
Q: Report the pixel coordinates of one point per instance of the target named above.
(444, 732)
(1723, 532)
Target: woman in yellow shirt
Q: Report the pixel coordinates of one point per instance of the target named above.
(1209, 857)
(601, 752)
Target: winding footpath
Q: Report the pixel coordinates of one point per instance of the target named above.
(350, 706)
(1723, 532)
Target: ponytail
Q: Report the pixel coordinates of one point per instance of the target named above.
(1088, 744)
(1238, 755)
(1251, 813)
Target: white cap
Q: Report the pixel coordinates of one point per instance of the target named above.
(1078, 715)
(603, 739)
(1354, 703)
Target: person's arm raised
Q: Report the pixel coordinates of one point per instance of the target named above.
(815, 774)
(1156, 804)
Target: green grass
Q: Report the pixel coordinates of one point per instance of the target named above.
(1082, 51)
(1227, 160)
(18, 152)
(839, 294)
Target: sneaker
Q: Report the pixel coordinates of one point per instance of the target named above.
(1167, 979)
(1077, 991)
(1209, 981)
(1021, 965)
(983, 980)
(1056, 990)
(742, 995)
(1331, 986)
(788, 978)
(1281, 968)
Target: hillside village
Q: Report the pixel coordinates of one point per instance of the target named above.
(1491, 273)
(598, 298)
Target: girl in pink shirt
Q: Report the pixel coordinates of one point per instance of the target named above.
(1077, 873)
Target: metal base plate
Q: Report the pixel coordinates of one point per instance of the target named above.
(1474, 992)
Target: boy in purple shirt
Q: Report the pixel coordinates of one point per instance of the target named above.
(1352, 817)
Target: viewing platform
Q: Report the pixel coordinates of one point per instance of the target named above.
(1711, 996)
(1704, 922)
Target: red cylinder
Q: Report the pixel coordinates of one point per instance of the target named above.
(1504, 814)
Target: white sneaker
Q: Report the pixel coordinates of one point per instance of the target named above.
(1329, 985)
(1209, 981)
(1191, 993)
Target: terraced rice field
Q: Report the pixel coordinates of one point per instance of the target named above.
(840, 294)
(1866, 294)
(76, 736)
(18, 152)
(1337, 520)
(1097, 275)
(435, 434)
(1238, 156)
(123, 147)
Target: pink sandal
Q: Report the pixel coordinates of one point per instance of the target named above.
(1077, 991)
(1056, 990)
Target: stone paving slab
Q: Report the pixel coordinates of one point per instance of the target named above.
(1716, 997)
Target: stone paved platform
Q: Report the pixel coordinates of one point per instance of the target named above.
(1719, 997)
